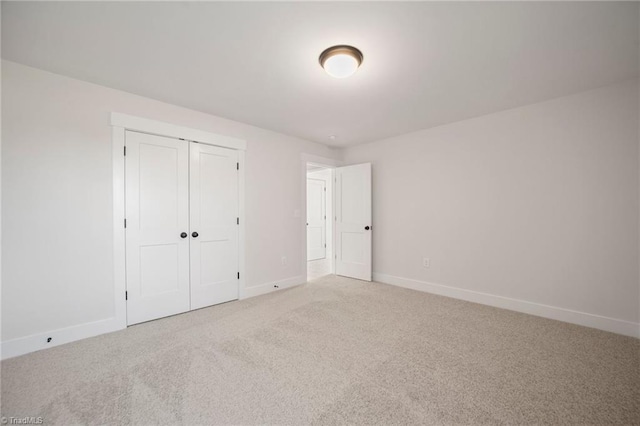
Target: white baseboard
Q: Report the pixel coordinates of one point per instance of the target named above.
(36, 342)
(269, 287)
(613, 325)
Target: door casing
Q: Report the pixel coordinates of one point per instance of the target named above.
(328, 163)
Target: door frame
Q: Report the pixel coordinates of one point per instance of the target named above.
(328, 163)
(120, 123)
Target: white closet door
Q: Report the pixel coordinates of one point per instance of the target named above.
(157, 213)
(214, 226)
(316, 219)
(353, 221)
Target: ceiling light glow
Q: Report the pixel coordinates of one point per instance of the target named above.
(341, 61)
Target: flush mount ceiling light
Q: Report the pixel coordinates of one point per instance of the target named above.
(341, 61)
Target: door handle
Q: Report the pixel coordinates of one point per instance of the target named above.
(194, 235)
(366, 228)
(183, 235)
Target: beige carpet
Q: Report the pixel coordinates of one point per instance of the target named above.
(334, 351)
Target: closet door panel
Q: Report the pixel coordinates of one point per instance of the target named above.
(214, 226)
(157, 212)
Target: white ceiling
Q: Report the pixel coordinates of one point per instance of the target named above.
(425, 64)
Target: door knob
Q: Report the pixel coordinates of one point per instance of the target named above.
(366, 228)
(183, 235)
(194, 235)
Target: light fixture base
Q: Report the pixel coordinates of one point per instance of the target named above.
(341, 61)
(341, 49)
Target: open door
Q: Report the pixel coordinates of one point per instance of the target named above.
(353, 221)
(316, 219)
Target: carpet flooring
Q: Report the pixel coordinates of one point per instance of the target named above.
(334, 351)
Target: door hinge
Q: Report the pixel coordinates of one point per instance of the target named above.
(325, 246)
(237, 221)
(125, 223)
(125, 150)
(325, 189)
(126, 295)
(238, 275)
(237, 166)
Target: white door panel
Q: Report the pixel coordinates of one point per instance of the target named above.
(214, 215)
(316, 219)
(353, 221)
(156, 203)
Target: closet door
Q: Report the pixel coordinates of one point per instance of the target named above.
(157, 222)
(214, 225)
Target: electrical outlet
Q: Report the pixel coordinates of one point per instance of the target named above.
(283, 260)
(426, 262)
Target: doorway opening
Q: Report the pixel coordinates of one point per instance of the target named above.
(319, 220)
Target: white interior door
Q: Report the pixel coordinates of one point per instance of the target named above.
(316, 219)
(214, 225)
(157, 214)
(353, 221)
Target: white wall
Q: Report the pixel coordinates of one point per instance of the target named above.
(538, 204)
(57, 197)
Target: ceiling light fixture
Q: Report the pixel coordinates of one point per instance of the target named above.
(341, 61)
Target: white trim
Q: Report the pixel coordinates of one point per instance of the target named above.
(119, 269)
(613, 325)
(242, 230)
(36, 342)
(261, 289)
(320, 161)
(161, 128)
(328, 163)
